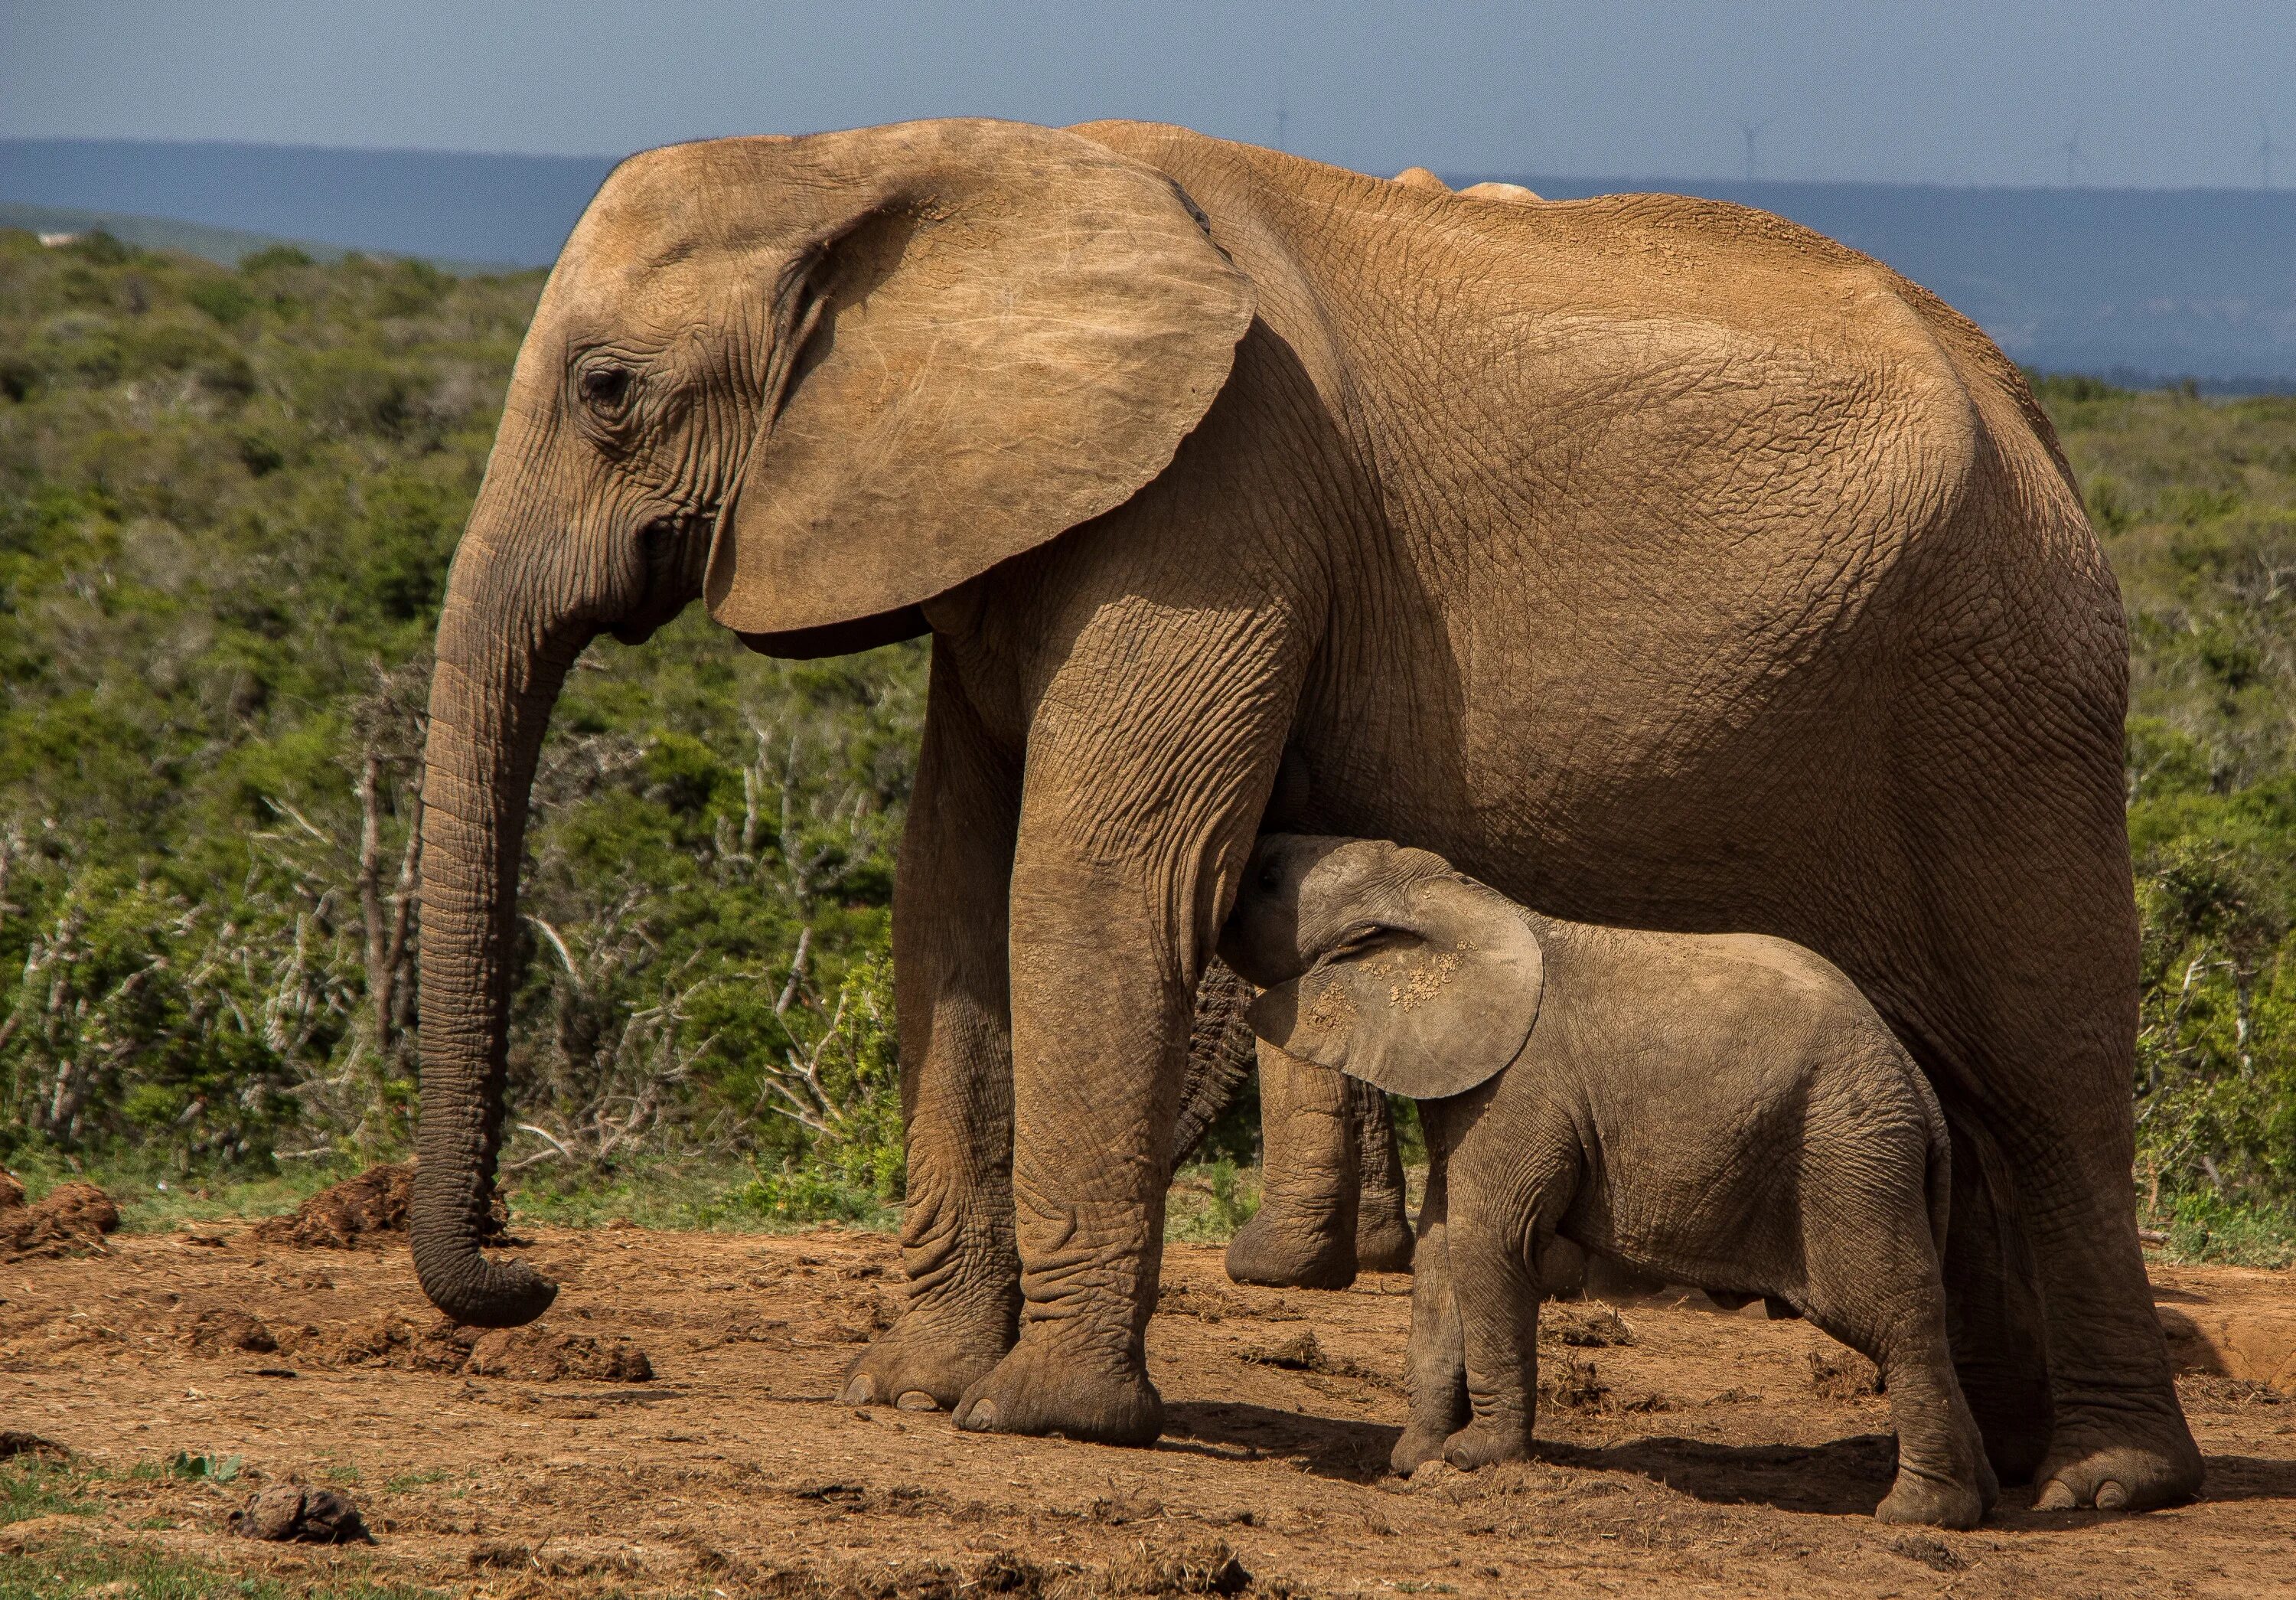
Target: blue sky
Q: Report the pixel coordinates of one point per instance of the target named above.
(2149, 94)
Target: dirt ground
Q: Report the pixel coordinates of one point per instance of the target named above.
(1705, 1454)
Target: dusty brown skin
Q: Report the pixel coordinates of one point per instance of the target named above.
(1721, 1109)
(1655, 560)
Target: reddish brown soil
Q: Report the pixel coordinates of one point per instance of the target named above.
(1697, 1453)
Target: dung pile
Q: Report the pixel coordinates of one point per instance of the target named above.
(70, 1221)
(369, 1210)
(534, 1355)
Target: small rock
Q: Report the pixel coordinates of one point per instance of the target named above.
(292, 1514)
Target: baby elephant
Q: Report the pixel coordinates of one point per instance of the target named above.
(1724, 1110)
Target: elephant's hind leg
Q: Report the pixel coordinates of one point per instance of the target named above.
(2030, 1032)
(956, 1061)
(1303, 1237)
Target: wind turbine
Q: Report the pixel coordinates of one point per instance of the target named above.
(2264, 153)
(1282, 116)
(1752, 131)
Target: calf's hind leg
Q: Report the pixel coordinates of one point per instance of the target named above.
(1876, 1286)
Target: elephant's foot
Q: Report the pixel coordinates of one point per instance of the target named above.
(1931, 1502)
(1282, 1254)
(1383, 1240)
(926, 1362)
(2118, 1460)
(1484, 1443)
(1050, 1386)
(1417, 1447)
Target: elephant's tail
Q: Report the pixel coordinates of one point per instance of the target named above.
(1939, 1173)
(1221, 1053)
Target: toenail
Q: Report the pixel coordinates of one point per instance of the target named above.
(860, 1391)
(2054, 1496)
(917, 1399)
(982, 1416)
(2111, 1496)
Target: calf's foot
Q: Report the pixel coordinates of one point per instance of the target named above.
(1048, 1384)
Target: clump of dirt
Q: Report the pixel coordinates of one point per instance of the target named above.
(1574, 1386)
(539, 1355)
(2218, 1392)
(1208, 1569)
(1204, 1569)
(1303, 1352)
(1596, 1327)
(14, 1443)
(71, 1221)
(367, 1210)
(221, 1329)
(535, 1355)
(1935, 1554)
(291, 1514)
(1842, 1374)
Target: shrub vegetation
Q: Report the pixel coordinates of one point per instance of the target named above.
(227, 504)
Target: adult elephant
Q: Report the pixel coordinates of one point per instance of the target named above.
(1655, 560)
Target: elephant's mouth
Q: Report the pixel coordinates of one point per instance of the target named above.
(672, 553)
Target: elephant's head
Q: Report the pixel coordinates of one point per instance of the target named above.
(1383, 963)
(818, 381)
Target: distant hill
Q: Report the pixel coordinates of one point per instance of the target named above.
(2145, 286)
(225, 246)
(448, 206)
(228, 246)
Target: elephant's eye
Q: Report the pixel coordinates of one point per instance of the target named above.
(1270, 879)
(606, 387)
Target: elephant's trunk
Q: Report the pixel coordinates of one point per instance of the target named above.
(501, 660)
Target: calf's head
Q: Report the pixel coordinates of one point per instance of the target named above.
(1383, 963)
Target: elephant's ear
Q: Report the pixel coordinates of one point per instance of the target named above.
(1008, 334)
(1428, 1002)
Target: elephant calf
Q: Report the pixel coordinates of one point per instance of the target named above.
(1726, 1109)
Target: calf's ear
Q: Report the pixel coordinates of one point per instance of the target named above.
(1436, 996)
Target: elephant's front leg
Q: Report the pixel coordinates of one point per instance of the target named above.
(1133, 828)
(956, 1059)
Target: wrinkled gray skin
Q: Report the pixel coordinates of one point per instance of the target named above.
(1659, 562)
(1332, 1183)
(1724, 1110)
